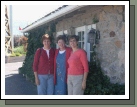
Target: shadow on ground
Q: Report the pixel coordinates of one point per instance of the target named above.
(16, 84)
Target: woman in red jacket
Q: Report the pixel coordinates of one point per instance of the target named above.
(60, 70)
(78, 68)
(43, 67)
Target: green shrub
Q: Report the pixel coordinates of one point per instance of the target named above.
(13, 54)
(18, 54)
(99, 84)
(24, 53)
(95, 19)
(19, 50)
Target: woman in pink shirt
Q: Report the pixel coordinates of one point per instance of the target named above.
(78, 68)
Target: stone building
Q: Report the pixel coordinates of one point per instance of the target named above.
(109, 20)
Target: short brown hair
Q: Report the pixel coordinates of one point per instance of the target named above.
(74, 37)
(46, 36)
(61, 37)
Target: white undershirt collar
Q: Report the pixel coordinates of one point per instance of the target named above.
(61, 52)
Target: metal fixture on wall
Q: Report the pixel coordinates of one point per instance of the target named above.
(93, 37)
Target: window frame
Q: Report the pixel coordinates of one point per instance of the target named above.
(86, 30)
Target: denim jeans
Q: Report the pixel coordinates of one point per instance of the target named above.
(46, 86)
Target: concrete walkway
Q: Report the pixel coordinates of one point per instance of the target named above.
(15, 83)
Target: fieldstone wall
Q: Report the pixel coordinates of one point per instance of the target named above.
(83, 16)
(111, 47)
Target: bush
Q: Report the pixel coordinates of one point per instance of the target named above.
(13, 54)
(19, 50)
(99, 84)
(27, 67)
(18, 54)
(24, 53)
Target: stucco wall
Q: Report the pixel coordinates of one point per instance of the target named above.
(111, 47)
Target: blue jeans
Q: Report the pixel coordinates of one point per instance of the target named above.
(46, 86)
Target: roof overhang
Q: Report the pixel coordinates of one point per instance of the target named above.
(53, 16)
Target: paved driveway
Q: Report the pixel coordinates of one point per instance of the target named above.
(15, 83)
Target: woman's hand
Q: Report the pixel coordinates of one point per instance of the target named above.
(84, 85)
(37, 81)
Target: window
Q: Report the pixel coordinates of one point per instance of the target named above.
(89, 45)
(81, 39)
(82, 32)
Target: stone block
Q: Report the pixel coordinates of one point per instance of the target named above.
(102, 16)
(123, 28)
(118, 44)
(118, 8)
(112, 34)
(121, 57)
(108, 8)
(119, 17)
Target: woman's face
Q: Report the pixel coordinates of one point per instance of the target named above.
(61, 43)
(46, 43)
(73, 43)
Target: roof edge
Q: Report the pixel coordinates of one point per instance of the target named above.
(53, 16)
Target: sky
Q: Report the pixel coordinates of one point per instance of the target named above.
(31, 12)
(26, 12)
(23, 15)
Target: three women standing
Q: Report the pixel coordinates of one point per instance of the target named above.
(67, 66)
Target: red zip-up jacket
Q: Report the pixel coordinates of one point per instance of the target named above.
(68, 52)
(42, 64)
